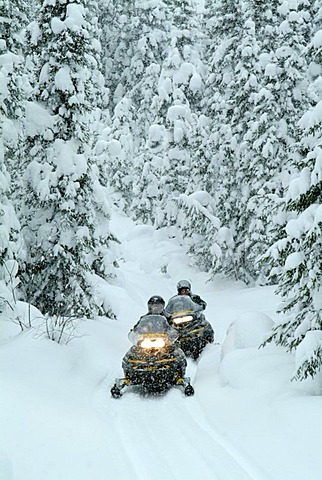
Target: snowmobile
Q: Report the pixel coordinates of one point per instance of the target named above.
(195, 332)
(154, 362)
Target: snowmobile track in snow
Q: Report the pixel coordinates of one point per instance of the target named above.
(169, 432)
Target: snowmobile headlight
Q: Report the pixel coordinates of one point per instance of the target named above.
(153, 342)
(185, 319)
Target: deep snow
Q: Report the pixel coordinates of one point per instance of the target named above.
(246, 420)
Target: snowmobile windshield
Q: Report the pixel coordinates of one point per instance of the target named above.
(180, 306)
(154, 328)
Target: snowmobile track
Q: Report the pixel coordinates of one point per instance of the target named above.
(136, 429)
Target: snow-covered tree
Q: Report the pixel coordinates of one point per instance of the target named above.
(120, 34)
(13, 90)
(270, 139)
(177, 87)
(228, 94)
(297, 256)
(299, 253)
(14, 83)
(145, 95)
(207, 241)
(10, 240)
(136, 38)
(243, 88)
(135, 34)
(254, 96)
(117, 152)
(14, 18)
(65, 215)
(148, 168)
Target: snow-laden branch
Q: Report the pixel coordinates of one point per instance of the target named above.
(207, 239)
(198, 202)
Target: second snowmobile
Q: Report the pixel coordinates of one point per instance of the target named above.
(195, 332)
(155, 362)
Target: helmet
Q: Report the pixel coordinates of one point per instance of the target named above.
(156, 304)
(183, 284)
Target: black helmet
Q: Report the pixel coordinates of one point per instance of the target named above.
(183, 284)
(156, 304)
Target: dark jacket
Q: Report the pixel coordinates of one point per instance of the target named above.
(197, 299)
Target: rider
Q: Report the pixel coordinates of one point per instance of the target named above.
(156, 306)
(184, 288)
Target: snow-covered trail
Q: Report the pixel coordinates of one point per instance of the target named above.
(58, 420)
(167, 436)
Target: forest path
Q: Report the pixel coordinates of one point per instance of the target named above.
(167, 436)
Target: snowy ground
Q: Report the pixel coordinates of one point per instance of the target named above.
(246, 420)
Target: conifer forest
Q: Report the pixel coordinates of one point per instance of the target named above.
(204, 119)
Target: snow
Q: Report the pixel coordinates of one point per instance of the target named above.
(270, 70)
(313, 117)
(317, 299)
(264, 59)
(9, 132)
(177, 112)
(294, 260)
(202, 197)
(248, 330)
(37, 119)
(164, 88)
(63, 80)
(57, 25)
(311, 342)
(75, 16)
(285, 27)
(195, 83)
(247, 421)
(317, 39)
(114, 147)
(34, 31)
(299, 185)
(156, 133)
(178, 134)
(183, 74)
(306, 221)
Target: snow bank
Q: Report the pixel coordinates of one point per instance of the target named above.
(243, 364)
(266, 369)
(249, 330)
(6, 468)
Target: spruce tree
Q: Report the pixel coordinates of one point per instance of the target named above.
(148, 168)
(176, 94)
(244, 88)
(136, 37)
(280, 102)
(230, 83)
(119, 153)
(297, 257)
(254, 96)
(15, 82)
(10, 239)
(63, 197)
